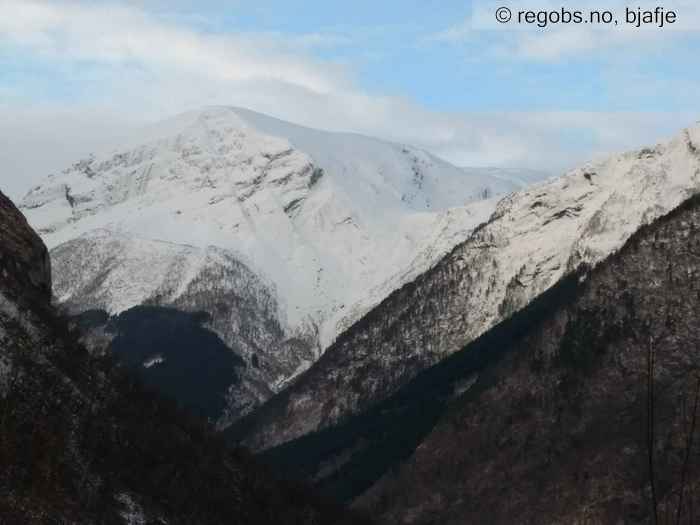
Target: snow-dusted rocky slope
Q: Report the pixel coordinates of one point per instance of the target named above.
(111, 271)
(534, 237)
(325, 224)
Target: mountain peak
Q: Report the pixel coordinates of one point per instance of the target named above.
(317, 226)
(342, 213)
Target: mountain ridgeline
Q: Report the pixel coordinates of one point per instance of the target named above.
(284, 235)
(83, 442)
(553, 416)
(533, 239)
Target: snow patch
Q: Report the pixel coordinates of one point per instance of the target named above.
(133, 513)
(153, 361)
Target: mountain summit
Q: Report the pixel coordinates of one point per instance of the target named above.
(318, 226)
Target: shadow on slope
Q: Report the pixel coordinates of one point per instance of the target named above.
(345, 460)
(172, 352)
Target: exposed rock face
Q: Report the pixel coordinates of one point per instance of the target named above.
(533, 239)
(555, 431)
(80, 442)
(24, 261)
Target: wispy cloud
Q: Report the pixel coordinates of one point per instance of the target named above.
(134, 66)
(113, 34)
(455, 34)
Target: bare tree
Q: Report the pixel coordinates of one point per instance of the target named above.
(688, 449)
(651, 442)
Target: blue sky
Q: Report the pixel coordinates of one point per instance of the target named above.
(74, 73)
(390, 46)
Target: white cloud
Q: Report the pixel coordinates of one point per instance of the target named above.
(139, 68)
(117, 35)
(43, 140)
(458, 33)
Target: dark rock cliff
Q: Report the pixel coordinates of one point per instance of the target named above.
(25, 267)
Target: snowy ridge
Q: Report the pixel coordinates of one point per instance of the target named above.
(541, 233)
(534, 238)
(327, 217)
(113, 271)
(454, 227)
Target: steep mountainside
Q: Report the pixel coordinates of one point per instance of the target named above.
(315, 228)
(82, 443)
(544, 418)
(25, 266)
(557, 428)
(108, 271)
(174, 353)
(534, 237)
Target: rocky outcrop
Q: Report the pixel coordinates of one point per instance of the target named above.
(24, 261)
(533, 239)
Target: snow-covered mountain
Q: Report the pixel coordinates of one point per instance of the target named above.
(534, 238)
(81, 442)
(327, 224)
